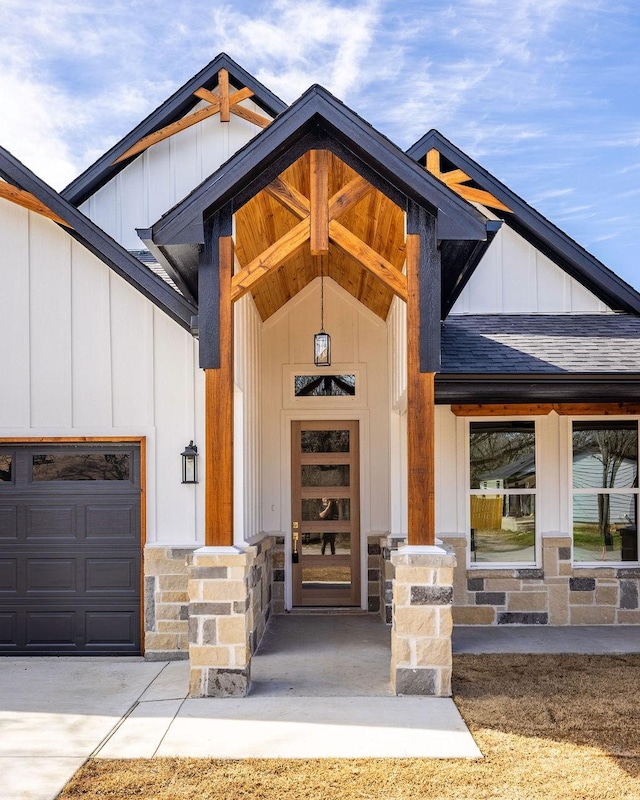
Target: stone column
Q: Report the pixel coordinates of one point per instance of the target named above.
(422, 620)
(219, 621)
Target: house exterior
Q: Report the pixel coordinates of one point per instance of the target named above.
(469, 455)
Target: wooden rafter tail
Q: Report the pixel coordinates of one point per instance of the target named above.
(25, 199)
(373, 262)
(270, 259)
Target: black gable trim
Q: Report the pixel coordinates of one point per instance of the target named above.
(538, 230)
(171, 110)
(99, 243)
(318, 117)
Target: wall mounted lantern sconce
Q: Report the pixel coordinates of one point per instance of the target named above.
(322, 340)
(190, 463)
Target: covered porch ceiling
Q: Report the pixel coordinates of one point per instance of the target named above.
(376, 225)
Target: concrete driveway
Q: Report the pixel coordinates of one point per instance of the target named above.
(55, 712)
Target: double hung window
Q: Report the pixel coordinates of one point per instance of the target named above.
(502, 493)
(605, 491)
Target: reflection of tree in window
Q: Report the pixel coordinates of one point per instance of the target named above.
(502, 455)
(605, 456)
(5, 467)
(336, 441)
(325, 385)
(81, 467)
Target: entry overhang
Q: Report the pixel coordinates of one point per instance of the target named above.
(319, 120)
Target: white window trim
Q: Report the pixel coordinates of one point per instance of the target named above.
(468, 492)
(595, 491)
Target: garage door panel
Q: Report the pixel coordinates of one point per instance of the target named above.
(8, 522)
(111, 627)
(116, 576)
(8, 575)
(70, 552)
(51, 575)
(121, 521)
(51, 627)
(8, 630)
(51, 522)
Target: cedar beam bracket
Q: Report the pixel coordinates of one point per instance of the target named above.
(222, 103)
(219, 412)
(420, 412)
(456, 179)
(327, 210)
(29, 201)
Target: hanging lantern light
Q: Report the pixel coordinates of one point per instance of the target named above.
(322, 340)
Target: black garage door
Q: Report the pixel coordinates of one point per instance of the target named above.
(70, 549)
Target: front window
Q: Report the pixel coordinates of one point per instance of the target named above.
(502, 493)
(605, 491)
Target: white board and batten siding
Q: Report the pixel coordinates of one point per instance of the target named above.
(513, 277)
(165, 174)
(85, 354)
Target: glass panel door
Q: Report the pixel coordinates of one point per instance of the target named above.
(325, 514)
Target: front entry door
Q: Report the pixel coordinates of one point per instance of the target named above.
(325, 513)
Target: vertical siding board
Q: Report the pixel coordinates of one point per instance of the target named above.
(14, 313)
(172, 397)
(50, 324)
(161, 194)
(131, 355)
(91, 347)
(132, 204)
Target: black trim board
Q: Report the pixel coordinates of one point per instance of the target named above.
(179, 104)
(516, 388)
(318, 111)
(99, 243)
(537, 230)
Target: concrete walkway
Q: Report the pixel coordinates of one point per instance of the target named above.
(307, 701)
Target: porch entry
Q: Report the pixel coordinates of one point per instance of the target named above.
(325, 513)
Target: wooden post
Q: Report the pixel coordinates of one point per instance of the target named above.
(219, 416)
(223, 89)
(422, 351)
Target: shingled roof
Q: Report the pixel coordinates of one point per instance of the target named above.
(541, 343)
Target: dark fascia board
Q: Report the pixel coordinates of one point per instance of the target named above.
(518, 388)
(538, 230)
(182, 101)
(318, 110)
(99, 243)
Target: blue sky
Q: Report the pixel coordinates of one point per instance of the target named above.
(543, 93)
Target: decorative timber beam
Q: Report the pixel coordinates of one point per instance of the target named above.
(219, 394)
(542, 409)
(29, 201)
(421, 526)
(455, 179)
(318, 217)
(222, 103)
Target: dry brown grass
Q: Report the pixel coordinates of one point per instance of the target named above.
(550, 728)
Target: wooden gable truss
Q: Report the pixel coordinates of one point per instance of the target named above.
(29, 201)
(220, 102)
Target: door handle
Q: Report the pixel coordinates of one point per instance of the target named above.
(295, 556)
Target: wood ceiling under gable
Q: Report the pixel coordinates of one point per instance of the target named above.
(374, 220)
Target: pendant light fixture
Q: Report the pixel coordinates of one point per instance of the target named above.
(322, 340)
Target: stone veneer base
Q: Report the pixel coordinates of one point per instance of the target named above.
(422, 622)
